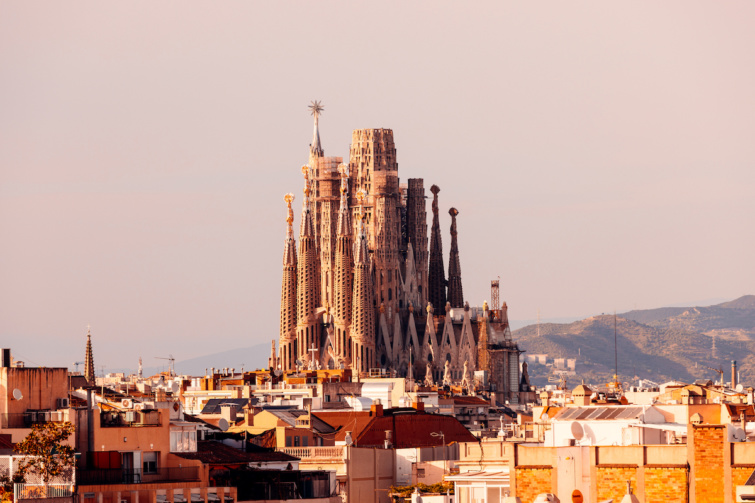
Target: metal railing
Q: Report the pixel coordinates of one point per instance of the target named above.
(136, 476)
(30, 418)
(38, 491)
(128, 419)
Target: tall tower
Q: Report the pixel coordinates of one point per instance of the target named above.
(455, 292)
(416, 216)
(287, 344)
(363, 310)
(344, 271)
(89, 360)
(373, 168)
(436, 274)
(307, 291)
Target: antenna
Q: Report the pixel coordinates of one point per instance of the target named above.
(171, 364)
(615, 349)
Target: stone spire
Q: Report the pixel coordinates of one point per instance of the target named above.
(307, 291)
(315, 149)
(363, 309)
(89, 360)
(343, 272)
(455, 291)
(436, 275)
(288, 294)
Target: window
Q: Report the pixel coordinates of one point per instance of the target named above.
(296, 441)
(305, 441)
(288, 441)
(150, 462)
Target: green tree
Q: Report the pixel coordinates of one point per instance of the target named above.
(48, 456)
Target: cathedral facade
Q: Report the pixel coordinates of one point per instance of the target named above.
(366, 289)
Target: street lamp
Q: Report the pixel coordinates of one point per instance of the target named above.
(443, 438)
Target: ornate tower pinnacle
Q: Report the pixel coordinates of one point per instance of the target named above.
(455, 291)
(307, 288)
(436, 274)
(89, 359)
(288, 319)
(363, 309)
(344, 273)
(315, 149)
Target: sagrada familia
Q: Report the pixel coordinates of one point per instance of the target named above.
(363, 290)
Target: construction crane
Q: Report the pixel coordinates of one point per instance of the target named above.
(171, 365)
(76, 366)
(718, 370)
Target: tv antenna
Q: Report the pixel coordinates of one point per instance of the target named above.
(171, 364)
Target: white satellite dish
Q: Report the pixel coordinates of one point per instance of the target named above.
(577, 431)
(544, 418)
(17, 395)
(174, 387)
(740, 388)
(278, 372)
(223, 424)
(739, 435)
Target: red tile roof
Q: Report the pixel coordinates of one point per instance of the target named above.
(412, 428)
(343, 421)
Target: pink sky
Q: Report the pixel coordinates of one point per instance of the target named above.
(600, 154)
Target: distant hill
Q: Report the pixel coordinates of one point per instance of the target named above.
(656, 344)
(251, 358)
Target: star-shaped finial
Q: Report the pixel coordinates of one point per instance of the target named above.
(316, 108)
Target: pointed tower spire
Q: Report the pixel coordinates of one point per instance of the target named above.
(288, 319)
(89, 359)
(455, 291)
(363, 308)
(436, 274)
(315, 149)
(344, 271)
(307, 288)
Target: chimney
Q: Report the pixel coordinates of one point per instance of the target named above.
(420, 405)
(228, 412)
(388, 439)
(376, 409)
(6, 358)
(734, 374)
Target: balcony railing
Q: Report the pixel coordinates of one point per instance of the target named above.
(27, 419)
(129, 418)
(136, 476)
(330, 452)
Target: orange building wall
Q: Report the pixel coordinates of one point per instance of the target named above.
(709, 463)
(612, 481)
(532, 481)
(663, 484)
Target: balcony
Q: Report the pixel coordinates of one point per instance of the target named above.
(128, 419)
(30, 418)
(136, 476)
(333, 452)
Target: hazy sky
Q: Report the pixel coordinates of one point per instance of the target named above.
(601, 155)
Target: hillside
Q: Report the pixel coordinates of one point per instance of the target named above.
(656, 344)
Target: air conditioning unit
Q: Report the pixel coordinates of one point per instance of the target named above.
(64, 403)
(138, 406)
(127, 403)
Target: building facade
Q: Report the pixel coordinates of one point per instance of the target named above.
(366, 288)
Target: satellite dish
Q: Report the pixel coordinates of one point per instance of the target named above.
(17, 395)
(577, 431)
(278, 372)
(544, 418)
(349, 440)
(223, 424)
(740, 388)
(174, 387)
(739, 435)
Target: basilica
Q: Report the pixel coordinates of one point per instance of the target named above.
(365, 289)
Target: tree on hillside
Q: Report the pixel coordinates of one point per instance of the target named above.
(47, 454)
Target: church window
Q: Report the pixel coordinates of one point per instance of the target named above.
(390, 294)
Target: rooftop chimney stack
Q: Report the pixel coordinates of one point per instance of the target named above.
(734, 374)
